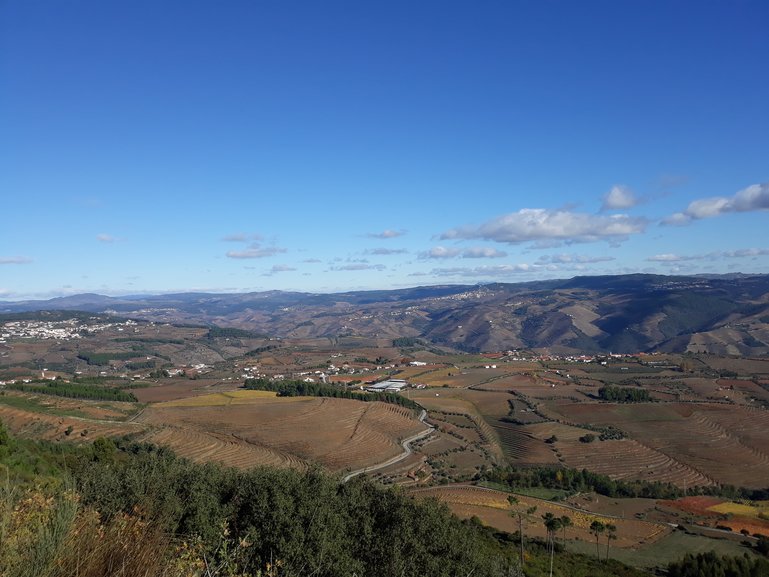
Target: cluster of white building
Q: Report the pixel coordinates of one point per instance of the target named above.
(61, 330)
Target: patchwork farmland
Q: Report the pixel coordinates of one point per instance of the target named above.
(493, 508)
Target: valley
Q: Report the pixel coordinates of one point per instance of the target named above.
(700, 424)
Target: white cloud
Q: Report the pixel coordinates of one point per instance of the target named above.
(488, 270)
(573, 258)
(279, 268)
(483, 252)
(620, 197)
(744, 252)
(712, 256)
(670, 257)
(255, 252)
(754, 197)
(440, 252)
(103, 237)
(387, 234)
(15, 260)
(242, 237)
(538, 224)
(707, 207)
(359, 266)
(312, 260)
(677, 219)
(386, 251)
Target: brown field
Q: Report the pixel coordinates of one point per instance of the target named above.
(493, 509)
(726, 443)
(749, 366)
(339, 434)
(410, 471)
(201, 446)
(443, 400)
(541, 386)
(522, 447)
(747, 388)
(702, 387)
(419, 374)
(712, 511)
(487, 403)
(237, 397)
(439, 444)
(456, 401)
(470, 433)
(466, 377)
(513, 440)
(97, 410)
(617, 459)
(181, 388)
(628, 459)
(53, 427)
(680, 451)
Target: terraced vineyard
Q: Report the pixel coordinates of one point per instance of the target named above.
(618, 459)
(52, 427)
(245, 430)
(203, 447)
(629, 459)
(724, 443)
(522, 447)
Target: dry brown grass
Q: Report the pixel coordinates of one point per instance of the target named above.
(239, 397)
(336, 433)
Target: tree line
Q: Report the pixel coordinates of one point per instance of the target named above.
(75, 391)
(104, 358)
(575, 480)
(712, 565)
(293, 388)
(624, 394)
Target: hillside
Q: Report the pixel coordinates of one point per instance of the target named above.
(626, 313)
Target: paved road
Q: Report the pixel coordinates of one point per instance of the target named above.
(406, 444)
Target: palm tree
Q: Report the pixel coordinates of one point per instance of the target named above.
(565, 522)
(552, 524)
(514, 501)
(521, 515)
(611, 535)
(596, 528)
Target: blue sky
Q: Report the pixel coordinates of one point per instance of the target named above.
(324, 146)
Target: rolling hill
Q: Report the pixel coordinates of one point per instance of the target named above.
(626, 313)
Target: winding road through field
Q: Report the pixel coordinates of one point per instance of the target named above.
(406, 444)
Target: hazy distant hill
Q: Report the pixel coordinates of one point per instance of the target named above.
(627, 313)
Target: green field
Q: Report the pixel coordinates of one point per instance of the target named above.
(660, 553)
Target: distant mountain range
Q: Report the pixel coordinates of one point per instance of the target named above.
(726, 314)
